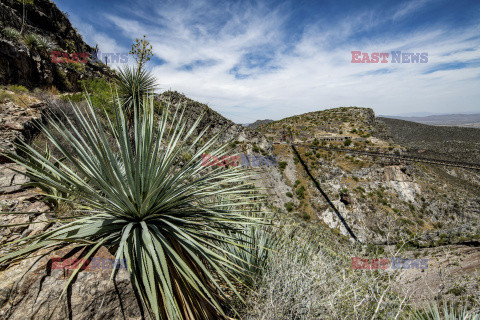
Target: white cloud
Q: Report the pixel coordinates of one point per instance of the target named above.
(409, 8)
(307, 74)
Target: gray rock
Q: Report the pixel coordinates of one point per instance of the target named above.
(10, 179)
(30, 290)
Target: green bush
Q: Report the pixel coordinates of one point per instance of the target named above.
(46, 43)
(450, 311)
(11, 34)
(289, 206)
(32, 41)
(4, 97)
(76, 97)
(100, 93)
(306, 216)
(289, 194)
(282, 165)
(17, 88)
(301, 192)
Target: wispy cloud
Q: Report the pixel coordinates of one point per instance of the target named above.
(243, 59)
(409, 8)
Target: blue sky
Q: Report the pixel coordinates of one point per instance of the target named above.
(254, 60)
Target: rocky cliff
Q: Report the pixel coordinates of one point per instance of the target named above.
(26, 58)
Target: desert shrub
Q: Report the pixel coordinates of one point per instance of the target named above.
(300, 192)
(133, 84)
(17, 88)
(100, 92)
(304, 280)
(289, 206)
(450, 311)
(76, 97)
(257, 244)
(11, 34)
(5, 96)
(282, 165)
(289, 194)
(347, 142)
(32, 41)
(46, 43)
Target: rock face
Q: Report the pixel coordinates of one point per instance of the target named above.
(31, 67)
(31, 288)
(10, 179)
(17, 122)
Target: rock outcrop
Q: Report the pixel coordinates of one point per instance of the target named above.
(30, 66)
(17, 121)
(31, 288)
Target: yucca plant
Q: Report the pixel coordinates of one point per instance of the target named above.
(51, 194)
(449, 312)
(135, 198)
(133, 84)
(259, 242)
(46, 43)
(32, 41)
(11, 34)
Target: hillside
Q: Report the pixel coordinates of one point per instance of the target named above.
(26, 59)
(462, 144)
(419, 209)
(460, 120)
(372, 188)
(390, 205)
(258, 123)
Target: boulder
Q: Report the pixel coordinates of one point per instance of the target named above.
(10, 179)
(30, 289)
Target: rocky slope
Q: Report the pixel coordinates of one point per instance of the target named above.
(382, 200)
(446, 142)
(460, 120)
(29, 63)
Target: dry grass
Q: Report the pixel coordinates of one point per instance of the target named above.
(305, 280)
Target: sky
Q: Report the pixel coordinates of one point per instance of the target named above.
(251, 60)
